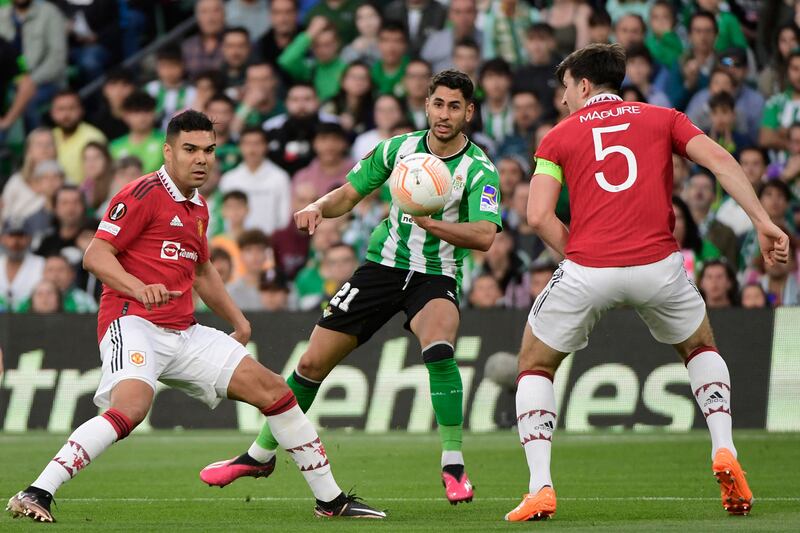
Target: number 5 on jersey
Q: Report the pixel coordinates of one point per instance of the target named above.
(348, 293)
(600, 154)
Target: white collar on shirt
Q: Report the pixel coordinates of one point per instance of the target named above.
(602, 97)
(173, 190)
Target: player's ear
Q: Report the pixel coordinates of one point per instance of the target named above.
(470, 111)
(167, 150)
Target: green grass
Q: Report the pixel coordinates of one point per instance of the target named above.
(605, 482)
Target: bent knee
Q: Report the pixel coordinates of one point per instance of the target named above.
(312, 368)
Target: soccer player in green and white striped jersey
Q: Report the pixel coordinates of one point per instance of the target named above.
(414, 264)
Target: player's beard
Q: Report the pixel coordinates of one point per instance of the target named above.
(455, 131)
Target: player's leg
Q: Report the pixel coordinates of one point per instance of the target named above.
(711, 386)
(559, 323)
(360, 308)
(326, 348)
(212, 365)
(435, 326)
(674, 310)
(126, 388)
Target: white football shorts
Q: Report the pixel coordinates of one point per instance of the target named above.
(198, 360)
(577, 296)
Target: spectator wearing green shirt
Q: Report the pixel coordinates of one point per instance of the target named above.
(325, 67)
(143, 140)
(220, 109)
(317, 285)
(58, 271)
(260, 100)
(730, 30)
(341, 13)
(662, 41)
(388, 72)
(783, 109)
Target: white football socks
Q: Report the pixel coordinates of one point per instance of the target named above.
(297, 436)
(83, 446)
(711, 387)
(536, 420)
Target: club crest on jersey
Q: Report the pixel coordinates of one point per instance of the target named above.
(199, 227)
(136, 357)
(489, 199)
(458, 182)
(118, 211)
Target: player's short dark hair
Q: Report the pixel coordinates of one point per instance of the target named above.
(170, 53)
(600, 18)
(540, 30)
(189, 120)
(780, 185)
(251, 130)
(253, 237)
(237, 29)
(639, 51)
(702, 13)
(392, 26)
(221, 97)
(331, 129)
(234, 195)
(453, 79)
(139, 101)
(497, 66)
(723, 100)
(602, 64)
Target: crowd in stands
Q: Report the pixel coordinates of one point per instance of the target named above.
(299, 90)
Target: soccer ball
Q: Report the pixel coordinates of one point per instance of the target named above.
(420, 184)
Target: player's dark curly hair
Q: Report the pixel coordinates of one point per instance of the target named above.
(602, 64)
(453, 79)
(189, 120)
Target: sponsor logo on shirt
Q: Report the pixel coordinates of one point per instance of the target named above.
(137, 358)
(489, 199)
(108, 227)
(406, 219)
(172, 250)
(118, 211)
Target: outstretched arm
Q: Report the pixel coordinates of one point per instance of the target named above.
(209, 285)
(542, 202)
(705, 152)
(334, 204)
(474, 235)
(101, 260)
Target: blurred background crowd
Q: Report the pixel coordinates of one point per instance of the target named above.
(301, 89)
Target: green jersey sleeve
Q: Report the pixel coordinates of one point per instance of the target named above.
(484, 198)
(374, 169)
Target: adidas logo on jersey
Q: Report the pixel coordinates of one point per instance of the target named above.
(176, 222)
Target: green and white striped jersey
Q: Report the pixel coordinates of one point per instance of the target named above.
(397, 241)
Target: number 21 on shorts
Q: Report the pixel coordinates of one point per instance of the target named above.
(600, 154)
(348, 293)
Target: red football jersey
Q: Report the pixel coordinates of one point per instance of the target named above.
(616, 159)
(160, 236)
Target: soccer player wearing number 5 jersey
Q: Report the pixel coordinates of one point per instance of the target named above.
(150, 250)
(616, 159)
(413, 265)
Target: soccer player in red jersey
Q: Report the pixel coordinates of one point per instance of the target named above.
(616, 158)
(149, 251)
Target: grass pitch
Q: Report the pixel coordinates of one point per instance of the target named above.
(604, 482)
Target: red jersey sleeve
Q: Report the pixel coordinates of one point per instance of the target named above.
(683, 131)
(548, 148)
(124, 220)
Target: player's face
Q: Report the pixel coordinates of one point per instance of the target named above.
(575, 92)
(448, 112)
(190, 158)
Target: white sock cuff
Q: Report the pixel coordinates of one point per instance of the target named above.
(452, 457)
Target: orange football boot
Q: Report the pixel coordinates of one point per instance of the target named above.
(736, 495)
(539, 506)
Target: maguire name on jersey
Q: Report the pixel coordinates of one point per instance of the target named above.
(397, 241)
